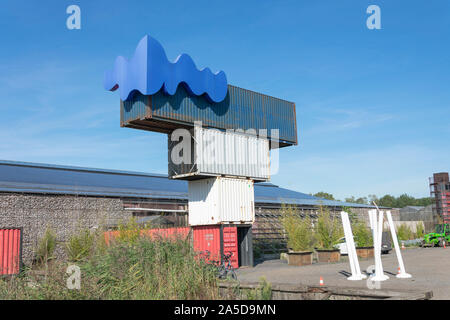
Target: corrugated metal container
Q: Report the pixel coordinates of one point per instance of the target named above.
(215, 153)
(241, 109)
(217, 240)
(10, 251)
(207, 238)
(220, 201)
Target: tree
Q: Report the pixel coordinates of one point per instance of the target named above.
(361, 200)
(372, 198)
(387, 201)
(351, 199)
(405, 200)
(324, 195)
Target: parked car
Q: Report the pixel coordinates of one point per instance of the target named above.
(386, 244)
(342, 246)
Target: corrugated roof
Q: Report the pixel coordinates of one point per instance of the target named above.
(38, 178)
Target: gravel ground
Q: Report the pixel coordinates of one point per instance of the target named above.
(428, 267)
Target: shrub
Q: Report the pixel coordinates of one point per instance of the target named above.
(46, 247)
(362, 234)
(328, 229)
(404, 232)
(353, 217)
(420, 230)
(299, 231)
(80, 245)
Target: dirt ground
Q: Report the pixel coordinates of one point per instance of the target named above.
(428, 267)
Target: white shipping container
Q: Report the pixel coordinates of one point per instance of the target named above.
(227, 153)
(220, 201)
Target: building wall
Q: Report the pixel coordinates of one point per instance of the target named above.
(67, 214)
(64, 214)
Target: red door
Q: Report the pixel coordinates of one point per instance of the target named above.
(230, 244)
(207, 238)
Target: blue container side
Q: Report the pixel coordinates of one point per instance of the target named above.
(241, 109)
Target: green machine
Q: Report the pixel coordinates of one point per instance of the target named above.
(437, 238)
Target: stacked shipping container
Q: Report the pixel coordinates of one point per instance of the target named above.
(221, 200)
(215, 153)
(241, 109)
(234, 159)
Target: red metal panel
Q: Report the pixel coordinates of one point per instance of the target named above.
(169, 233)
(10, 243)
(230, 244)
(207, 238)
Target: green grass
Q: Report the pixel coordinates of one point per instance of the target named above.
(263, 292)
(46, 247)
(129, 267)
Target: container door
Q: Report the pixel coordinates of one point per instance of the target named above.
(203, 202)
(207, 238)
(10, 251)
(245, 246)
(229, 234)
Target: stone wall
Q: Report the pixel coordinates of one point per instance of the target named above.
(64, 214)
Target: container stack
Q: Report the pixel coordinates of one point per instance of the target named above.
(220, 164)
(221, 172)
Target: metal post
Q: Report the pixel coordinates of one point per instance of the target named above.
(353, 258)
(398, 253)
(377, 233)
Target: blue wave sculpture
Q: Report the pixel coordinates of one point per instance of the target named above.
(149, 71)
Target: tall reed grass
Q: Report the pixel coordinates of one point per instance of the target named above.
(129, 267)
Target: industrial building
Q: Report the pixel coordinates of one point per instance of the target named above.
(440, 192)
(36, 196)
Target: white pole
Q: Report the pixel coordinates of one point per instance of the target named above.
(398, 253)
(378, 231)
(352, 257)
(373, 227)
(372, 214)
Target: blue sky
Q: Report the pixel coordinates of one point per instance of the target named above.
(372, 105)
